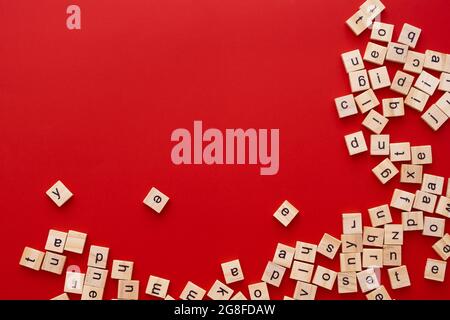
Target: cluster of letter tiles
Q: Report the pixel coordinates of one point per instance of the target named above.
(409, 90)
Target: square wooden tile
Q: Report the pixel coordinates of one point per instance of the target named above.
(32, 258)
(409, 35)
(379, 144)
(380, 215)
(402, 200)
(402, 82)
(366, 101)
(356, 143)
(285, 213)
(59, 193)
(414, 62)
(352, 60)
(411, 173)
(399, 277)
(385, 171)
(157, 287)
(382, 31)
(412, 221)
(156, 200)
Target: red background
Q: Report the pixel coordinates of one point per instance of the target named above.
(95, 108)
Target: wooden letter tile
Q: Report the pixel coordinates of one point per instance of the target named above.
(447, 63)
(98, 257)
(286, 213)
(435, 270)
(442, 247)
(324, 278)
(75, 241)
(122, 270)
(96, 277)
(393, 234)
(393, 107)
(273, 274)
(372, 258)
(427, 83)
(385, 171)
(412, 221)
(220, 291)
(368, 280)
(375, 54)
(396, 52)
(346, 106)
(305, 291)
(392, 256)
(381, 215)
(402, 200)
(258, 291)
(399, 277)
(375, 122)
(414, 62)
(232, 271)
(421, 155)
(416, 99)
(379, 78)
(91, 293)
(329, 246)
(156, 200)
(359, 80)
(32, 258)
(372, 8)
(59, 193)
(435, 60)
(302, 271)
(74, 282)
(350, 262)
(411, 173)
(409, 35)
(382, 32)
(305, 252)
(379, 144)
(379, 294)
(358, 22)
(356, 143)
(366, 101)
(373, 237)
(444, 103)
(400, 151)
(425, 201)
(192, 292)
(53, 262)
(56, 241)
(402, 83)
(351, 243)
(352, 223)
(347, 282)
(433, 184)
(284, 255)
(433, 227)
(448, 188)
(444, 83)
(157, 287)
(352, 61)
(128, 290)
(443, 207)
(434, 117)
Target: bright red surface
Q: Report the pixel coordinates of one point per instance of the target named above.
(95, 108)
